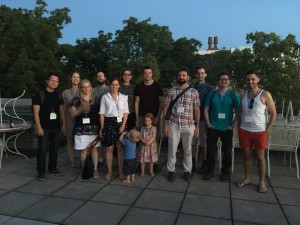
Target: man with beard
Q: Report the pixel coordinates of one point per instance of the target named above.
(254, 128)
(181, 124)
(99, 91)
(218, 113)
(101, 88)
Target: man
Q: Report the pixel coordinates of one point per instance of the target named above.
(181, 124)
(128, 88)
(218, 113)
(148, 98)
(98, 91)
(254, 128)
(101, 88)
(203, 89)
(48, 113)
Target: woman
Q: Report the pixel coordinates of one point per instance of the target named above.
(113, 117)
(85, 110)
(68, 95)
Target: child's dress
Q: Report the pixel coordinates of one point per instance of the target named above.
(148, 153)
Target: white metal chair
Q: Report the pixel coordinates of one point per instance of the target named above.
(284, 138)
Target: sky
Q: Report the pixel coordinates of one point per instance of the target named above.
(230, 20)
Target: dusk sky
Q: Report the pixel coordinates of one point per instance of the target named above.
(230, 20)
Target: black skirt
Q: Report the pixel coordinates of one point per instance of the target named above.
(110, 133)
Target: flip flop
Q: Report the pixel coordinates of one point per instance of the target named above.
(242, 184)
(262, 189)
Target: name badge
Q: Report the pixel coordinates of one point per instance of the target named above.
(86, 120)
(221, 115)
(119, 119)
(249, 119)
(53, 116)
(180, 109)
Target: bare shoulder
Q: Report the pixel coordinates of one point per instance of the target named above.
(266, 98)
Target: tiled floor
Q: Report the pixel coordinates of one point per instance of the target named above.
(148, 200)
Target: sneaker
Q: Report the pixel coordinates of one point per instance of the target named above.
(41, 177)
(203, 169)
(208, 175)
(224, 177)
(171, 176)
(56, 172)
(187, 176)
(96, 174)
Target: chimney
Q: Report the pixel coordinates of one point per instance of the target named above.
(216, 43)
(209, 43)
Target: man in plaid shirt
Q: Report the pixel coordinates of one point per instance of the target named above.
(181, 124)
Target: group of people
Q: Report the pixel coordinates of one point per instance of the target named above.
(109, 114)
(123, 114)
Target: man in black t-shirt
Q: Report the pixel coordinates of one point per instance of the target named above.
(48, 116)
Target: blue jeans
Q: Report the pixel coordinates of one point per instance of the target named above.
(50, 142)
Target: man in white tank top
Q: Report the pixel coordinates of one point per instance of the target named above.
(254, 128)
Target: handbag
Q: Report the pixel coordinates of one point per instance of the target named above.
(172, 103)
(88, 168)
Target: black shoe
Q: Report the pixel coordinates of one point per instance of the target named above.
(203, 169)
(224, 177)
(41, 177)
(171, 176)
(208, 175)
(56, 172)
(187, 176)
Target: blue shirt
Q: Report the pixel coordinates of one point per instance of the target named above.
(221, 105)
(129, 149)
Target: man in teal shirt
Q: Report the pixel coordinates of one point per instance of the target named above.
(219, 116)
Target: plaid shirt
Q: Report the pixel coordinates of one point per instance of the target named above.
(188, 101)
(203, 90)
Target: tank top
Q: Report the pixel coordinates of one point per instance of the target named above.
(253, 120)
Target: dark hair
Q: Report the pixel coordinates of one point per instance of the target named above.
(183, 68)
(113, 79)
(224, 73)
(251, 72)
(147, 68)
(126, 69)
(101, 71)
(52, 74)
(200, 67)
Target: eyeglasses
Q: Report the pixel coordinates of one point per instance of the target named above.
(54, 81)
(251, 103)
(224, 79)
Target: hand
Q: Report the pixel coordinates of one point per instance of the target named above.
(137, 123)
(63, 129)
(156, 120)
(40, 131)
(166, 130)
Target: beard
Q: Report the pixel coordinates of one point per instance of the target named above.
(101, 82)
(181, 81)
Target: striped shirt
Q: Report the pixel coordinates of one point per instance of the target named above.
(182, 115)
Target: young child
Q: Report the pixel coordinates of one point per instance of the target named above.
(148, 144)
(129, 140)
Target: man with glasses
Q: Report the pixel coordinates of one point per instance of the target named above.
(218, 112)
(203, 89)
(49, 117)
(254, 128)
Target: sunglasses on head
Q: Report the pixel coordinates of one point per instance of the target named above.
(251, 103)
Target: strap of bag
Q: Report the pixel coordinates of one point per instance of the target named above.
(178, 96)
(92, 145)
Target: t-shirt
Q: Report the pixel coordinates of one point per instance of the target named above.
(50, 104)
(98, 92)
(129, 91)
(149, 97)
(221, 106)
(129, 149)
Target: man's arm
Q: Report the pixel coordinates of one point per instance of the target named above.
(136, 108)
(161, 106)
(166, 126)
(36, 117)
(268, 100)
(197, 120)
(206, 116)
(62, 118)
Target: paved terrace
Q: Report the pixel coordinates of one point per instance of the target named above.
(151, 201)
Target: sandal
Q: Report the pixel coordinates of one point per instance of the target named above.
(242, 184)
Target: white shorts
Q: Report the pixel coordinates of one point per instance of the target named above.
(83, 141)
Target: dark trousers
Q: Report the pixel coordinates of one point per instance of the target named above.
(50, 142)
(131, 121)
(212, 139)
